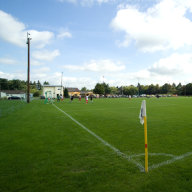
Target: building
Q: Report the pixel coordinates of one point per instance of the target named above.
(53, 90)
(73, 91)
(10, 93)
(84, 93)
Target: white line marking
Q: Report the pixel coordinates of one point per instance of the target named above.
(153, 154)
(162, 154)
(117, 151)
(170, 161)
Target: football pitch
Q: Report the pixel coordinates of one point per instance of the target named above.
(95, 147)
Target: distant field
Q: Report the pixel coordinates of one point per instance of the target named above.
(97, 146)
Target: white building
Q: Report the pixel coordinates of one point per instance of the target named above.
(54, 90)
(10, 93)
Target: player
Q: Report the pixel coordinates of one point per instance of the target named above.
(91, 97)
(71, 98)
(86, 99)
(79, 97)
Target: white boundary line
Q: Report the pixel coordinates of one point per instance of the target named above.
(117, 151)
(153, 154)
(170, 161)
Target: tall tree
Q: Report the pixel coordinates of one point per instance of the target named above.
(189, 89)
(166, 88)
(46, 83)
(4, 84)
(106, 88)
(114, 90)
(179, 89)
(66, 94)
(99, 89)
(83, 89)
(38, 85)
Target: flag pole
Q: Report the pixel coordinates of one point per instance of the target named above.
(143, 120)
(146, 147)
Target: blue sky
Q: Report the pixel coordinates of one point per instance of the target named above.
(121, 42)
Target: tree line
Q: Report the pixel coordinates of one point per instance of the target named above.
(105, 89)
(16, 84)
(173, 89)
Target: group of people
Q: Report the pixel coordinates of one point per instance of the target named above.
(86, 98)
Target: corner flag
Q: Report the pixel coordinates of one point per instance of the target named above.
(142, 112)
(143, 120)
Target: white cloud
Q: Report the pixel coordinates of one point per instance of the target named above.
(7, 61)
(10, 76)
(45, 55)
(15, 32)
(103, 66)
(40, 38)
(65, 34)
(175, 64)
(36, 63)
(41, 70)
(162, 26)
(174, 68)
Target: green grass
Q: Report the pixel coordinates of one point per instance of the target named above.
(44, 150)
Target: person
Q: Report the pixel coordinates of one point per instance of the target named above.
(71, 98)
(61, 96)
(86, 99)
(58, 97)
(79, 97)
(91, 97)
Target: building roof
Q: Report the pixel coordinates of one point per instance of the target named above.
(13, 91)
(70, 89)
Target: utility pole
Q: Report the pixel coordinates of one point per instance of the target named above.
(28, 69)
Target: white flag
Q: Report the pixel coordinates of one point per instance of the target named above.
(142, 112)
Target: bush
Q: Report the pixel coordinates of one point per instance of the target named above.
(3, 98)
(36, 94)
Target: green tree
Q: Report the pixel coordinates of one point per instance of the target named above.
(36, 94)
(4, 84)
(15, 84)
(151, 89)
(189, 89)
(179, 89)
(114, 90)
(46, 83)
(38, 85)
(166, 88)
(130, 90)
(157, 89)
(66, 94)
(83, 89)
(107, 89)
(99, 89)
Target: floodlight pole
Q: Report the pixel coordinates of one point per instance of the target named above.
(28, 69)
